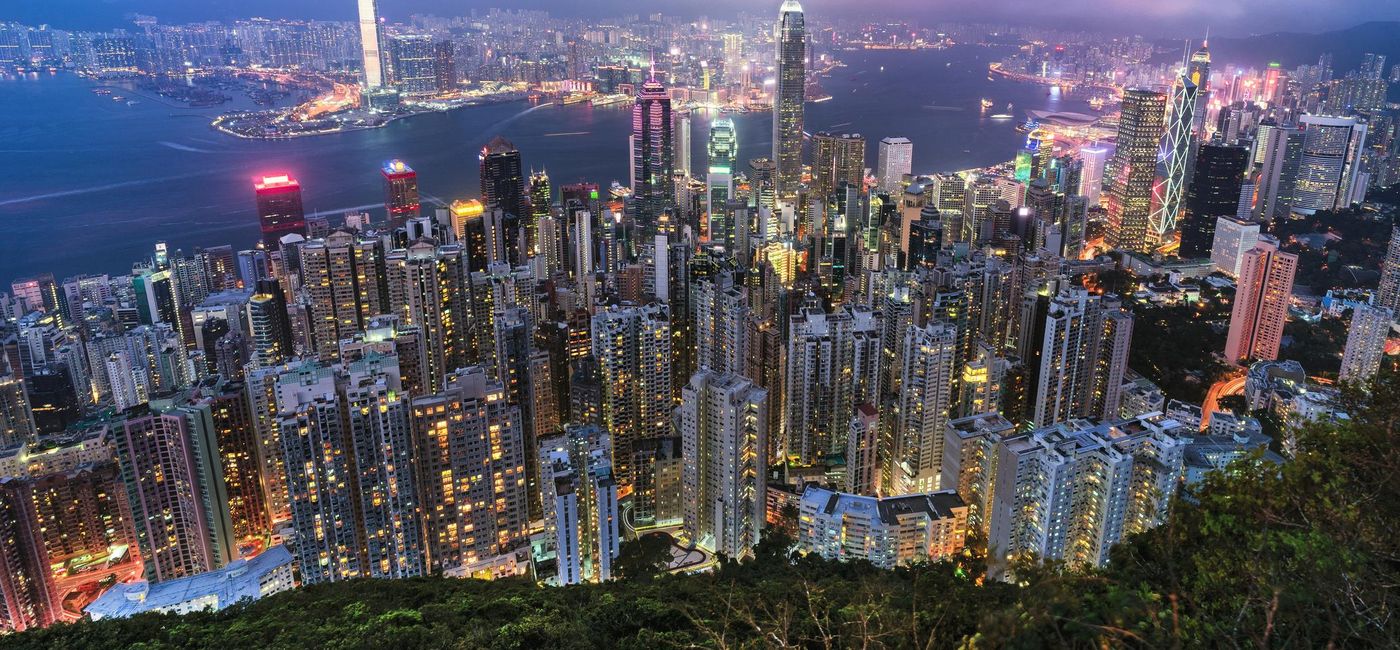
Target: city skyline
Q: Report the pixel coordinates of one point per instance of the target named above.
(623, 300)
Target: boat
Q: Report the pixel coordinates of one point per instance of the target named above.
(1001, 116)
(986, 103)
(1008, 107)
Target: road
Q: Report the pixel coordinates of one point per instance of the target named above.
(1231, 386)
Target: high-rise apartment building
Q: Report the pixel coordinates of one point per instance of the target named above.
(837, 159)
(1370, 327)
(471, 460)
(633, 347)
(1081, 358)
(887, 532)
(926, 391)
(581, 513)
(833, 365)
(1262, 296)
(723, 422)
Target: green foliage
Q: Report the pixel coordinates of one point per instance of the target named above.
(643, 557)
(1303, 555)
(1318, 346)
(1178, 348)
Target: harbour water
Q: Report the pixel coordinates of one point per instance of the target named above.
(88, 184)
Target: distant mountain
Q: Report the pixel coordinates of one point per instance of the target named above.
(1294, 49)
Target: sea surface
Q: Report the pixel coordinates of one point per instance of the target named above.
(89, 184)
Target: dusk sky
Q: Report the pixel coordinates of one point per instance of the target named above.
(1167, 17)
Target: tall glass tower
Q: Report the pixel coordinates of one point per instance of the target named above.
(1134, 168)
(653, 154)
(369, 44)
(791, 45)
(1180, 148)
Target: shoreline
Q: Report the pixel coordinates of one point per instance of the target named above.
(217, 123)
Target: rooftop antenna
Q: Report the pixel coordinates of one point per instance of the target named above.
(651, 61)
(1206, 43)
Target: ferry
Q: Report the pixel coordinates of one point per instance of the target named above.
(1002, 116)
(986, 103)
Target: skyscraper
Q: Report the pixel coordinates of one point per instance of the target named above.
(1180, 145)
(833, 365)
(503, 188)
(836, 159)
(719, 180)
(927, 384)
(1140, 129)
(16, 415)
(896, 159)
(1388, 295)
(414, 62)
(1214, 193)
(1091, 178)
(371, 58)
(723, 422)
(653, 153)
(343, 281)
(1081, 359)
(472, 459)
(580, 503)
(1278, 174)
(1233, 238)
(1370, 327)
(1262, 296)
(1330, 163)
(633, 347)
(400, 192)
(790, 36)
(681, 141)
(427, 288)
(279, 208)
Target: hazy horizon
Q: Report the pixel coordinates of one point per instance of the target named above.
(1176, 18)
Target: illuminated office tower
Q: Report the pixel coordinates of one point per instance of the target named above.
(371, 58)
(1198, 72)
(653, 154)
(681, 141)
(888, 532)
(978, 224)
(1095, 157)
(1278, 173)
(342, 278)
(1233, 238)
(1273, 82)
(896, 160)
(400, 192)
(160, 470)
(16, 415)
(763, 174)
(414, 58)
(503, 188)
(1388, 295)
(546, 245)
(428, 289)
(279, 209)
(64, 519)
(1134, 164)
(1180, 146)
(1262, 296)
(581, 513)
(1072, 491)
(833, 365)
(1214, 193)
(950, 197)
(444, 66)
(1370, 327)
(927, 385)
(1082, 356)
(478, 232)
(723, 421)
(1330, 163)
(836, 159)
(789, 92)
(633, 347)
(472, 461)
(719, 180)
(270, 333)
